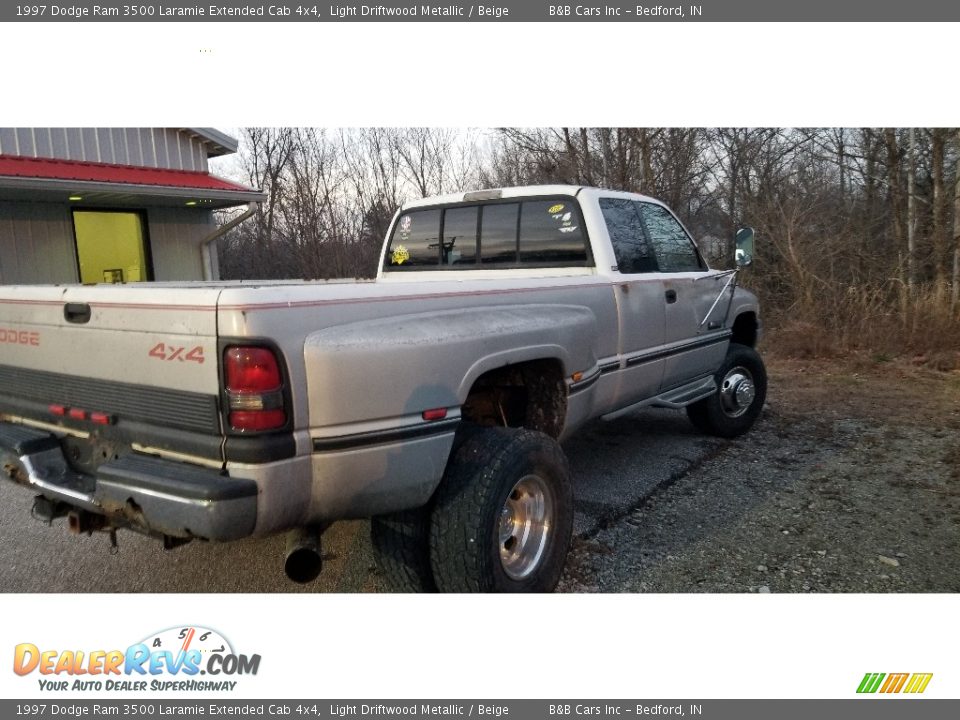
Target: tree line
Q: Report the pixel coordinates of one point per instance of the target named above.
(858, 228)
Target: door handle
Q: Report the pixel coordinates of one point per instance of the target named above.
(671, 296)
(76, 313)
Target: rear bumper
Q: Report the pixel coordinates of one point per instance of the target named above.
(143, 492)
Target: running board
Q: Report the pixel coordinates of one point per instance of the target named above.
(675, 399)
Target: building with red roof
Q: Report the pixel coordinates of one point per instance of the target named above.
(112, 204)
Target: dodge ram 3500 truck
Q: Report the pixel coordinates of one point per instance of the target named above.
(431, 399)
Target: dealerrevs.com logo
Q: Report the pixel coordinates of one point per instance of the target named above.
(189, 658)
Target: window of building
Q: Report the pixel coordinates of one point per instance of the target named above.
(111, 246)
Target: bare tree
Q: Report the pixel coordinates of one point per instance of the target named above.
(939, 232)
(849, 218)
(912, 212)
(955, 284)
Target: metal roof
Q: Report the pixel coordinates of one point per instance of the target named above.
(218, 143)
(104, 183)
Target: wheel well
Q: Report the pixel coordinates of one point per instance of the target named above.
(745, 329)
(530, 394)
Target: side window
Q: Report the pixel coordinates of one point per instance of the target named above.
(460, 236)
(415, 241)
(550, 232)
(498, 234)
(674, 248)
(630, 246)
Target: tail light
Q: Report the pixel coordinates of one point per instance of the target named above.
(254, 386)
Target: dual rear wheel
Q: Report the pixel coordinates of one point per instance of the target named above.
(501, 520)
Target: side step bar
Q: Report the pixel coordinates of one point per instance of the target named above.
(674, 399)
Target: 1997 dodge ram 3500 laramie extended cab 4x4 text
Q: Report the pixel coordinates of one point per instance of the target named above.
(432, 399)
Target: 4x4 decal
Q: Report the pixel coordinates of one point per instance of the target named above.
(172, 352)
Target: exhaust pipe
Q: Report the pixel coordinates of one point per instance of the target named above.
(303, 562)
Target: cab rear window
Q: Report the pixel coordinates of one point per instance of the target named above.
(416, 240)
(498, 237)
(528, 233)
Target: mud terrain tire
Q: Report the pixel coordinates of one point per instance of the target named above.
(502, 517)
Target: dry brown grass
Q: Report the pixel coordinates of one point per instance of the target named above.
(859, 386)
(882, 324)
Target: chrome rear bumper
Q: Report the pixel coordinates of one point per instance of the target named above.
(146, 493)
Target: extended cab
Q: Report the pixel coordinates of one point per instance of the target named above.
(432, 399)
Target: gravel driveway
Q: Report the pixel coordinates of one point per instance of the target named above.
(849, 483)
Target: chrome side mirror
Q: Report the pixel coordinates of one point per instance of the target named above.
(744, 247)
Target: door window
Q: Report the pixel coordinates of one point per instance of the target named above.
(674, 249)
(630, 245)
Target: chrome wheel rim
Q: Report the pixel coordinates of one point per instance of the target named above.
(737, 391)
(525, 524)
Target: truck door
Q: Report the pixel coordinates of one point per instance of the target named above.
(694, 343)
(640, 304)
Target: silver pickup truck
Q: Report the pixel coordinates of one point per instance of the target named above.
(432, 399)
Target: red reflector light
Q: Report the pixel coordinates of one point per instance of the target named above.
(100, 418)
(251, 369)
(77, 414)
(57, 410)
(257, 419)
(435, 414)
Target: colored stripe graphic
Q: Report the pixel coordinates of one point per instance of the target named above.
(918, 683)
(894, 683)
(870, 682)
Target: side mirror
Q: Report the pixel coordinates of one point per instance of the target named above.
(744, 244)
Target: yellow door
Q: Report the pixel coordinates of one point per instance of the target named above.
(110, 246)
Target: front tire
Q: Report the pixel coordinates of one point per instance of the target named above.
(503, 516)
(741, 392)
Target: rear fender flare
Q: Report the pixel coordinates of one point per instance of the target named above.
(402, 365)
